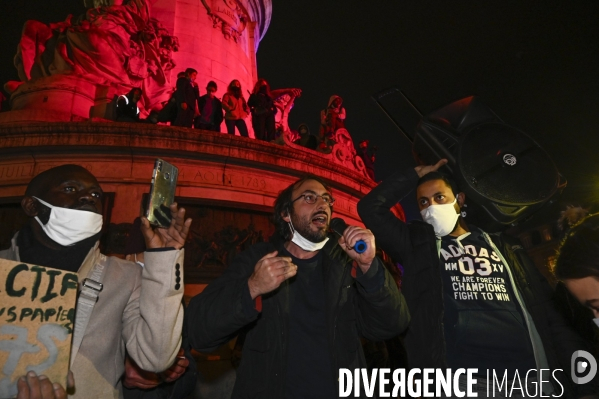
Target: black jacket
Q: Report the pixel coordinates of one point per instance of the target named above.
(226, 306)
(414, 246)
(186, 93)
(261, 105)
(217, 108)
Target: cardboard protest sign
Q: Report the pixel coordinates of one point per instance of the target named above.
(37, 313)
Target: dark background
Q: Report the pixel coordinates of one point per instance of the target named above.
(534, 63)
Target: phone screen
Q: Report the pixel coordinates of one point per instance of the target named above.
(162, 193)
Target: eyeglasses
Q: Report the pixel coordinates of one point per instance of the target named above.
(311, 198)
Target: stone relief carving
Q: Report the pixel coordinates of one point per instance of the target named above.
(116, 43)
(284, 100)
(228, 16)
(343, 151)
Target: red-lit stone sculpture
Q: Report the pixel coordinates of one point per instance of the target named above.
(114, 47)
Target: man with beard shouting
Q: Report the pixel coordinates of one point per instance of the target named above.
(305, 297)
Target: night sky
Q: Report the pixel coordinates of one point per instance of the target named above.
(536, 64)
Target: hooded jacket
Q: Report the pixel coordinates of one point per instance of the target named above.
(341, 115)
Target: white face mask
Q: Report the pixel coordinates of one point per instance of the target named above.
(69, 226)
(303, 242)
(596, 321)
(443, 217)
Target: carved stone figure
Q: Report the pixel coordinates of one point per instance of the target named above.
(284, 100)
(228, 16)
(115, 44)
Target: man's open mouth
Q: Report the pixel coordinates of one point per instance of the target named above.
(320, 219)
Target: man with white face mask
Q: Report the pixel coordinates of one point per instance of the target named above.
(307, 298)
(137, 310)
(476, 299)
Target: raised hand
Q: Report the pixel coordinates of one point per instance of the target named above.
(269, 273)
(353, 234)
(173, 236)
(423, 170)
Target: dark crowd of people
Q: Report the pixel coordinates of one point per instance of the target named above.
(186, 108)
(308, 302)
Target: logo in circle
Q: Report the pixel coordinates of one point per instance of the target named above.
(509, 159)
(581, 362)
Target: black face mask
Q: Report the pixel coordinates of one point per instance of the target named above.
(68, 258)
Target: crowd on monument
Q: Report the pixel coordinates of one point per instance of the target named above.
(187, 108)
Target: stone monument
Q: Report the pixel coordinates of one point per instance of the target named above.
(73, 70)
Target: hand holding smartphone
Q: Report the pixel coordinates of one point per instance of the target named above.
(162, 193)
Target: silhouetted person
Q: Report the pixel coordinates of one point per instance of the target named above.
(186, 97)
(168, 113)
(236, 109)
(211, 110)
(126, 106)
(367, 157)
(263, 111)
(306, 139)
(332, 118)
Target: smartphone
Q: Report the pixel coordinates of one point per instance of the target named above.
(162, 193)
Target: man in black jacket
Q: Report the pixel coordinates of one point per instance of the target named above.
(307, 299)
(186, 96)
(476, 299)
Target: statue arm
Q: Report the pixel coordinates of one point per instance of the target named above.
(281, 92)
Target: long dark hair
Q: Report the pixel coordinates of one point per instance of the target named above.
(283, 205)
(578, 255)
(235, 91)
(259, 84)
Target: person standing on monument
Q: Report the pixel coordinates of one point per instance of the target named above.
(236, 109)
(331, 119)
(306, 139)
(263, 111)
(186, 97)
(211, 110)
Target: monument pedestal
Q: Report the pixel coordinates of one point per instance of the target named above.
(61, 98)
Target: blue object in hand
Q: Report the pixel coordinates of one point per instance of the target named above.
(338, 225)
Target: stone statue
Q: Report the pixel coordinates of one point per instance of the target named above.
(284, 99)
(116, 43)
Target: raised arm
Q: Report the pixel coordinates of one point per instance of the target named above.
(153, 318)
(392, 234)
(382, 310)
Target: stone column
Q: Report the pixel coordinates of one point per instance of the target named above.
(218, 38)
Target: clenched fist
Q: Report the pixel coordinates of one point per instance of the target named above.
(353, 234)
